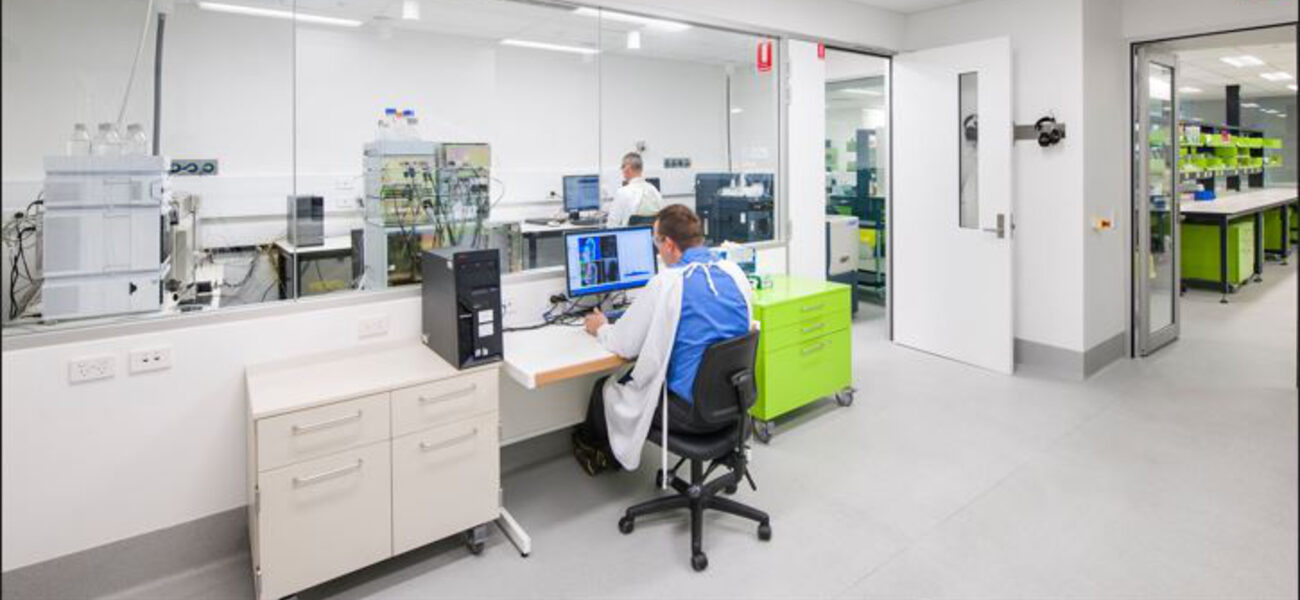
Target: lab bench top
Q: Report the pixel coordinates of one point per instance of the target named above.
(785, 287)
(1239, 203)
(337, 243)
(303, 382)
(527, 228)
(537, 357)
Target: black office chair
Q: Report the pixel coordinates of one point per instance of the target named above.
(713, 429)
(635, 220)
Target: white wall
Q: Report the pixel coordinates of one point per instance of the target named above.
(1049, 192)
(805, 160)
(1150, 19)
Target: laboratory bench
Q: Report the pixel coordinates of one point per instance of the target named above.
(1223, 240)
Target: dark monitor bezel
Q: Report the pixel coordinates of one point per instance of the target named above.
(564, 183)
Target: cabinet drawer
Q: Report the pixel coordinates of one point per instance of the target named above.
(322, 518)
(445, 480)
(442, 402)
(805, 329)
(796, 375)
(813, 305)
(320, 431)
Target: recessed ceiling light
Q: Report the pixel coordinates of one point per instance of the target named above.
(410, 10)
(660, 24)
(1187, 89)
(1281, 115)
(1291, 87)
(546, 46)
(277, 14)
(1277, 76)
(1244, 60)
(1249, 105)
(862, 92)
(634, 40)
(737, 110)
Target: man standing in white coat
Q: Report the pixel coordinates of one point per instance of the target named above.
(636, 198)
(696, 302)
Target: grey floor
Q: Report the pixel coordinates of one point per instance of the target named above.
(1169, 477)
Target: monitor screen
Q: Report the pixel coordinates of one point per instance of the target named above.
(581, 192)
(607, 260)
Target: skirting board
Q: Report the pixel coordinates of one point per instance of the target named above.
(1053, 361)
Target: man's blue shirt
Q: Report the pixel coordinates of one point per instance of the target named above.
(706, 319)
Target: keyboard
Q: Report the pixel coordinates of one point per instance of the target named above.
(586, 222)
(541, 221)
(613, 315)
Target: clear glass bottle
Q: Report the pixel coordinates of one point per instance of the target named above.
(107, 141)
(412, 125)
(79, 143)
(136, 142)
(382, 132)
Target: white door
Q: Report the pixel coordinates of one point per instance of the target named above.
(951, 226)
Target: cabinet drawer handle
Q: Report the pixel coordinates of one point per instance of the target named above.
(812, 307)
(449, 395)
(426, 446)
(812, 328)
(297, 429)
(301, 481)
(813, 349)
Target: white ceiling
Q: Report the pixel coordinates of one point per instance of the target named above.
(1204, 70)
(909, 6)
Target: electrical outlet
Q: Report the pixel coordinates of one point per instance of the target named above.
(91, 368)
(373, 326)
(152, 359)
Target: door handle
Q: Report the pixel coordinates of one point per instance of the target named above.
(1001, 228)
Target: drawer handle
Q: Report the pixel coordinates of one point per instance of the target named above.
(301, 481)
(812, 307)
(812, 328)
(297, 429)
(448, 396)
(813, 349)
(426, 446)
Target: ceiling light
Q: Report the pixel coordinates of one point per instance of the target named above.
(1189, 90)
(1245, 60)
(1291, 87)
(410, 10)
(277, 14)
(546, 46)
(1249, 105)
(736, 110)
(658, 24)
(862, 92)
(1281, 115)
(1269, 111)
(634, 40)
(1277, 76)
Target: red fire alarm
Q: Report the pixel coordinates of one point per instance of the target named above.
(821, 51)
(764, 58)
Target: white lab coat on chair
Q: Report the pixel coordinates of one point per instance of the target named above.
(647, 332)
(638, 197)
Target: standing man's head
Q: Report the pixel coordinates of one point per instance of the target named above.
(632, 166)
(676, 230)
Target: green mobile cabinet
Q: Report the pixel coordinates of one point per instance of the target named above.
(1273, 229)
(1200, 252)
(805, 349)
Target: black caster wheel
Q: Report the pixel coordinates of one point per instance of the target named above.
(659, 478)
(730, 490)
(626, 525)
(474, 542)
(763, 431)
(845, 398)
(699, 561)
(476, 548)
(764, 531)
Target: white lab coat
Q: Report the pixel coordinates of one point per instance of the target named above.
(638, 197)
(647, 332)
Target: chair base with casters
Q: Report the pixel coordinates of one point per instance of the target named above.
(722, 446)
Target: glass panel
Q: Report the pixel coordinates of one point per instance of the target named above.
(969, 176)
(857, 128)
(1160, 193)
(696, 108)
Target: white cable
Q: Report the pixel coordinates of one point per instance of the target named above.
(139, 50)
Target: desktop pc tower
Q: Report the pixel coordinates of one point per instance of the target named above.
(461, 305)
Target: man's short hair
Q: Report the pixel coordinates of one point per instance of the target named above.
(679, 224)
(633, 160)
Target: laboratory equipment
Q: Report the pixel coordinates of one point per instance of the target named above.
(136, 142)
(79, 143)
(581, 192)
(842, 240)
(107, 141)
(608, 260)
(306, 220)
(103, 244)
(735, 207)
(460, 305)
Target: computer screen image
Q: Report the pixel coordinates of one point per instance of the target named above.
(608, 260)
(581, 192)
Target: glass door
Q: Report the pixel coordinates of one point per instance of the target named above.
(1155, 200)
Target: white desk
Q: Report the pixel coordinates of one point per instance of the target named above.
(554, 353)
(332, 244)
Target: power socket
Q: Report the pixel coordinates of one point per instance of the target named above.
(372, 326)
(91, 368)
(152, 359)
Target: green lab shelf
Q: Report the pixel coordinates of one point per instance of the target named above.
(1200, 251)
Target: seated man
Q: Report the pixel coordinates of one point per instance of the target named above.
(695, 302)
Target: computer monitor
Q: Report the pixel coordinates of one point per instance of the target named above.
(655, 182)
(581, 192)
(608, 260)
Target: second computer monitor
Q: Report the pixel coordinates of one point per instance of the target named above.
(581, 192)
(607, 260)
